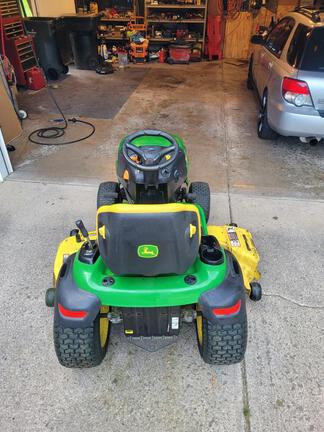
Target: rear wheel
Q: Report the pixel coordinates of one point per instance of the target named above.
(108, 193)
(82, 347)
(264, 130)
(202, 196)
(222, 344)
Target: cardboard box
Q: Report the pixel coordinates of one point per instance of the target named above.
(9, 123)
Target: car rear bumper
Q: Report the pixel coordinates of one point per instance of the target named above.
(289, 123)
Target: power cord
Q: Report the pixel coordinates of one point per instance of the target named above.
(55, 132)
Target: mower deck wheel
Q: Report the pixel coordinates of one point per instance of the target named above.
(256, 291)
(82, 347)
(108, 193)
(222, 344)
(50, 297)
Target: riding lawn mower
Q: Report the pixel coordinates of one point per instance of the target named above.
(153, 263)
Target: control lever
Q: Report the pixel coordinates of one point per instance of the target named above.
(84, 232)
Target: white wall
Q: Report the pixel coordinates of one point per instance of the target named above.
(52, 8)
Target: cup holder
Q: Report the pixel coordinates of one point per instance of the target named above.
(210, 252)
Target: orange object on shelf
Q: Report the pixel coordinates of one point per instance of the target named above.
(139, 51)
(136, 26)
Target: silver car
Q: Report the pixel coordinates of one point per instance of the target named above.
(287, 69)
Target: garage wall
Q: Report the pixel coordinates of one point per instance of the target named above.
(54, 8)
(238, 32)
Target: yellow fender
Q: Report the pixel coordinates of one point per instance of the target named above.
(67, 247)
(239, 242)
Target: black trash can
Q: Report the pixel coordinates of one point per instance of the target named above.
(83, 36)
(52, 44)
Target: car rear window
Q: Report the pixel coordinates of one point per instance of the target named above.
(313, 59)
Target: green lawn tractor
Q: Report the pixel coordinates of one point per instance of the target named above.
(153, 263)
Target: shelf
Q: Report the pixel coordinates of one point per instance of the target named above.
(173, 40)
(165, 6)
(115, 19)
(113, 38)
(184, 21)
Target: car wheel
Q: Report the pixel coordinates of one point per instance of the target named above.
(264, 130)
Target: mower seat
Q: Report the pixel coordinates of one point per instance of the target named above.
(148, 240)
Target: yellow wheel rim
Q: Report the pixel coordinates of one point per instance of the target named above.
(103, 326)
(199, 324)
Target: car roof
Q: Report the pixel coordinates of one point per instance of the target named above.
(308, 16)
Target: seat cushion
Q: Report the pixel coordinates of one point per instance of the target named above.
(148, 240)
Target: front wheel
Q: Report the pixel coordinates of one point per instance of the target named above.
(222, 344)
(82, 347)
(201, 191)
(264, 130)
(108, 193)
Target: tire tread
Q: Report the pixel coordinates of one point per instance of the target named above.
(224, 344)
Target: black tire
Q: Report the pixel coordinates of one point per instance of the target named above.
(65, 69)
(52, 74)
(264, 130)
(108, 193)
(202, 192)
(80, 347)
(222, 344)
(92, 62)
(250, 81)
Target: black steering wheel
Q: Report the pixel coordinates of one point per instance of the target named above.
(150, 162)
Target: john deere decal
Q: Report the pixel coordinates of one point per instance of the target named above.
(147, 251)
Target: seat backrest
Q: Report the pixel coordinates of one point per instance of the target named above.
(148, 240)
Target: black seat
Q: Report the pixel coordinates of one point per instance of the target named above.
(148, 240)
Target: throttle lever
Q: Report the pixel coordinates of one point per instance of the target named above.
(84, 233)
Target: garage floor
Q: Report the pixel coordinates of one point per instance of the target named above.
(275, 189)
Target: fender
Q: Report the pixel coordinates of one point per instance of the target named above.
(229, 293)
(72, 298)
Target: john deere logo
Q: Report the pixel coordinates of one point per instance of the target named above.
(147, 251)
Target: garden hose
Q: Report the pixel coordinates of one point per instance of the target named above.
(54, 132)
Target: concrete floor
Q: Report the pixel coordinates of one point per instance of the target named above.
(276, 191)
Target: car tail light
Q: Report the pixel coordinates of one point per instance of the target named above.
(68, 313)
(226, 311)
(296, 92)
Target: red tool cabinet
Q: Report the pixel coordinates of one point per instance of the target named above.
(14, 43)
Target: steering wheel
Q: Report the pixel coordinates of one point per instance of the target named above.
(149, 161)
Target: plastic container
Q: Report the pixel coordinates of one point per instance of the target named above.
(122, 59)
(179, 53)
(35, 79)
(162, 55)
(52, 44)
